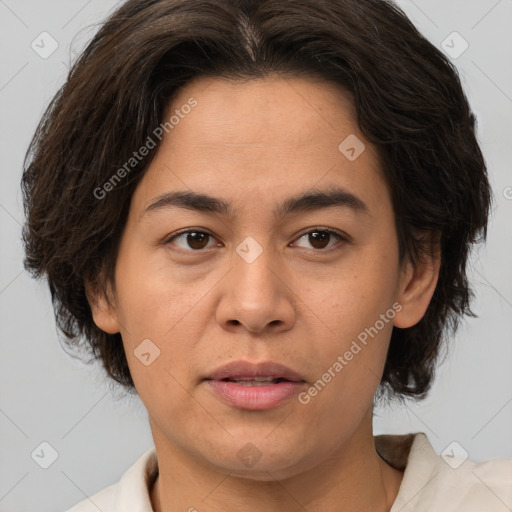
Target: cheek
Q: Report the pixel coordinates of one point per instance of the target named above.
(351, 365)
(357, 315)
(152, 301)
(357, 293)
(164, 313)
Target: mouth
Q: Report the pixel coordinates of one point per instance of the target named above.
(255, 381)
(255, 387)
(267, 372)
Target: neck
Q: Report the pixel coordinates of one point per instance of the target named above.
(354, 478)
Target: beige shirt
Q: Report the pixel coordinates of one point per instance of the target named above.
(431, 483)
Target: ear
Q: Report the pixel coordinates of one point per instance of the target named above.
(103, 309)
(417, 285)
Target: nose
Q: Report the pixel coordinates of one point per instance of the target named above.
(255, 296)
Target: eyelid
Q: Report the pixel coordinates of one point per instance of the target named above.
(343, 237)
(167, 239)
(341, 234)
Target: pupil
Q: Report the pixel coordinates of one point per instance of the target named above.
(193, 243)
(319, 237)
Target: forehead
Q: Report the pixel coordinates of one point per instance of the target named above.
(272, 111)
(262, 139)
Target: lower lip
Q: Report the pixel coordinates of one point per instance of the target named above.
(255, 398)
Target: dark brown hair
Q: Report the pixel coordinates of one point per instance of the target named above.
(409, 103)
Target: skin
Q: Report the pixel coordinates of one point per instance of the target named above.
(254, 144)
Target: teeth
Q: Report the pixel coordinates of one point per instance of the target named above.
(255, 381)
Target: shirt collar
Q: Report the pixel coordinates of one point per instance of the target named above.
(411, 451)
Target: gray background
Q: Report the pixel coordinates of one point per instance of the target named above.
(47, 396)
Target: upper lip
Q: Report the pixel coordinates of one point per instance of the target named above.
(245, 369)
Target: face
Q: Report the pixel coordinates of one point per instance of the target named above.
(314, 285)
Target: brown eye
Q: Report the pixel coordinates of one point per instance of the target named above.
(320, 239)
(195, 240)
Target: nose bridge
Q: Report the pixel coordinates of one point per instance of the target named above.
(255, 295)
(253, 269)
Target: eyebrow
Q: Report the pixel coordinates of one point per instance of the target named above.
(312, 200)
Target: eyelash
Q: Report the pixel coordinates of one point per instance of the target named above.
(339, 235)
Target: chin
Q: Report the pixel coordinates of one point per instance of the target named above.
(264, 464)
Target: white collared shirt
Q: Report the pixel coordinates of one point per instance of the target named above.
(431, 483)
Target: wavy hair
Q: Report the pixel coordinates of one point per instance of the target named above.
(409, 102)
